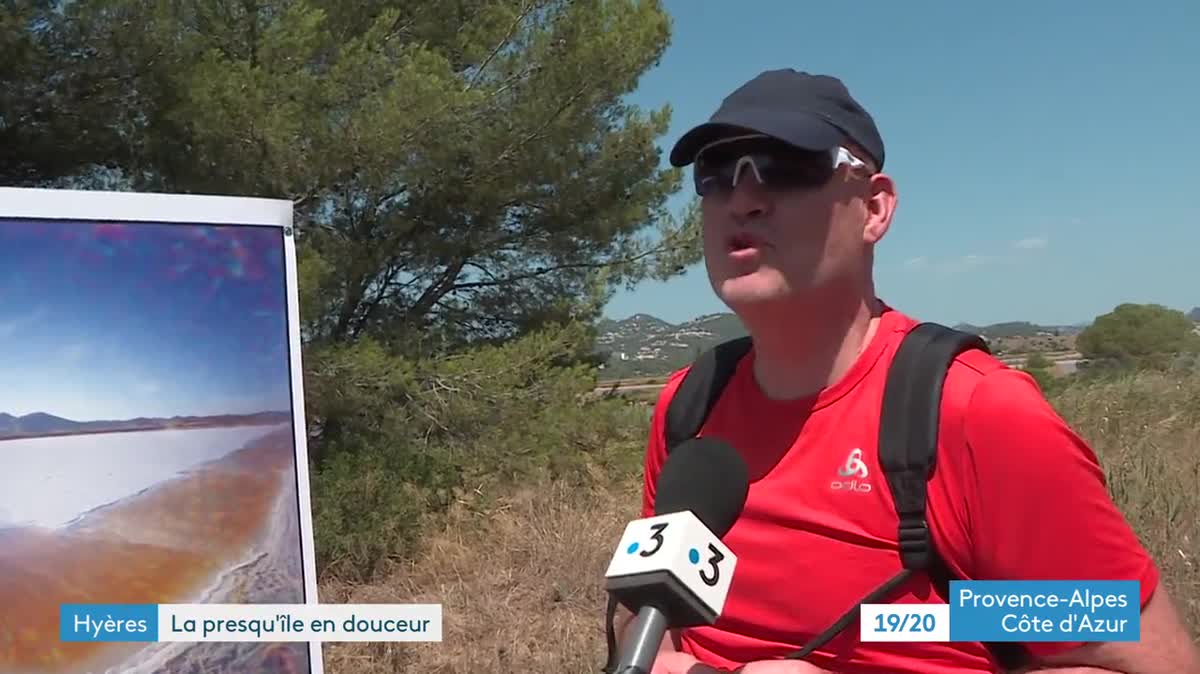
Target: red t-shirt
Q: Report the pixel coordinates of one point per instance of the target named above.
(1017, 495)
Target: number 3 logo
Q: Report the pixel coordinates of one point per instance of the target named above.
(711, 580)
(656, 537)
(710, 575)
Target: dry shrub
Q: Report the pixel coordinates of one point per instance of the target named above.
(1145, 427)
(520, 588)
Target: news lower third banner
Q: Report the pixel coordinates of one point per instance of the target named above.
(250, 622)
(1006, 610)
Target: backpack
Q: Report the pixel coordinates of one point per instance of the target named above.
(907, 453)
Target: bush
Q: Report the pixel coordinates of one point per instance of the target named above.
(1038, 366)
(1138, 337)
(399, 440)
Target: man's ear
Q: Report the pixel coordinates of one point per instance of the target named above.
(880, 203)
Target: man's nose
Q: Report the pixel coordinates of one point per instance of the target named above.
(748, 198)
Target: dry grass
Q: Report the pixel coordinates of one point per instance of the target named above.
(520, 586)
(1146, 430)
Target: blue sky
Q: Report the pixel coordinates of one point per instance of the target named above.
(1044, 152)
(110, 321)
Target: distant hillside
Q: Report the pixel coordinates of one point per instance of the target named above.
(1021, 337)
(40, 424)
(646, 346)
(1021, 329)
(643, 345)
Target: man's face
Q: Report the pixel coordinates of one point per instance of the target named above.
(809, 226)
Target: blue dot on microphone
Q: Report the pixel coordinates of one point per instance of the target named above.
(694, 555)
(632, 548)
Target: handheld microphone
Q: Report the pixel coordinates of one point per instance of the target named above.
(672, 569)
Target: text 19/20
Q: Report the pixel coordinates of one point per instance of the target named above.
(905, 622)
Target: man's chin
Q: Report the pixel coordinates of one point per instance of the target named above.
(749, 291)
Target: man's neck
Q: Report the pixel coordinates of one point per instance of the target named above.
(800, 350)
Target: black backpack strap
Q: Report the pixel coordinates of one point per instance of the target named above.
(908, 429)
(876, 596)
(701, 388)
(690, 406)
(908, 450)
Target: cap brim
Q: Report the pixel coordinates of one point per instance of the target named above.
(804, 131)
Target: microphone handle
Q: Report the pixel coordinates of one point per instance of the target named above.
(643, 642)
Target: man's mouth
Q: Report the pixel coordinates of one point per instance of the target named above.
(742, 241)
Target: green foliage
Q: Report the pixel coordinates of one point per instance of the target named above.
(1038, 361)
(1138, 336)
(462, 171)
(401, 439)
(1041, 369)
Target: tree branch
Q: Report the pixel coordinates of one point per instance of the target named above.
(437, 290)
(512, 29)
(533, 135)
(542, 271)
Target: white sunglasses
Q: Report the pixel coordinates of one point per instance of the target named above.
(728, 176)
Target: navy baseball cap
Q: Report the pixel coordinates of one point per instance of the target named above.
(811, 112)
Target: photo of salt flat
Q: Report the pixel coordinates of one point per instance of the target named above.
(146, 438)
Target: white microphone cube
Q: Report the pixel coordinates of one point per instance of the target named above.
(675, 563)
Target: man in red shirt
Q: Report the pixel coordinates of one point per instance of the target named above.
(793, 203)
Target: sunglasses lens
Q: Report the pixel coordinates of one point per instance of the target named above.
(778, 168)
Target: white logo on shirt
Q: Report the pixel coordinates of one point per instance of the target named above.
(853, 468)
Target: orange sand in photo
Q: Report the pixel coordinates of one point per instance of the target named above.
(164, 545)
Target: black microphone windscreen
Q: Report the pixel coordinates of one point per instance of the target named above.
(706, 476)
